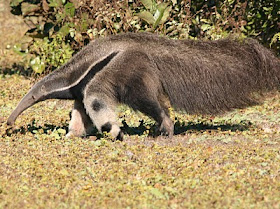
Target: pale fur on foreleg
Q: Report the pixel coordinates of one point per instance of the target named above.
(102, 115)
(80, 124)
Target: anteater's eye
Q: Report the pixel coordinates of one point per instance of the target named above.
(43, 88)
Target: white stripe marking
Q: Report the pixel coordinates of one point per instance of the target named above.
(82, 77)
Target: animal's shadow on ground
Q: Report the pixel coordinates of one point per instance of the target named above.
(33, 128)
(181, 128)
(142, 129)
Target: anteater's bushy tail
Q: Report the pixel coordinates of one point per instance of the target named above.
(213, 77)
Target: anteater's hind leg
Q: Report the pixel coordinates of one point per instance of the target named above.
(149, 99)
(152, 107)
(141, 89)
(165, 105)
(80, 124)
(101, 112)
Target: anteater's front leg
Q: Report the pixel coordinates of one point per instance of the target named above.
(80, 124)
(101, 112)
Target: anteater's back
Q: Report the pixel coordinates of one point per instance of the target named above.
(209, 76)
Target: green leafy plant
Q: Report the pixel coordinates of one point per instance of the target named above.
(275, 39)
(263, 19)
(154, 14)
(49, 54)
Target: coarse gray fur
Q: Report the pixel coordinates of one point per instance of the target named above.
(147, 72)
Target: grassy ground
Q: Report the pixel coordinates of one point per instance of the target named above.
(231, 161)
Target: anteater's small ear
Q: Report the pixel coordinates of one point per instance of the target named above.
(43, 90)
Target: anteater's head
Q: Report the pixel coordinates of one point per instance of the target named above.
(36, 94)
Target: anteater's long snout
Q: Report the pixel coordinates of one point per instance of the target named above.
(27, 101)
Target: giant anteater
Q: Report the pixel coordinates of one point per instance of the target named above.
(146, 72)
